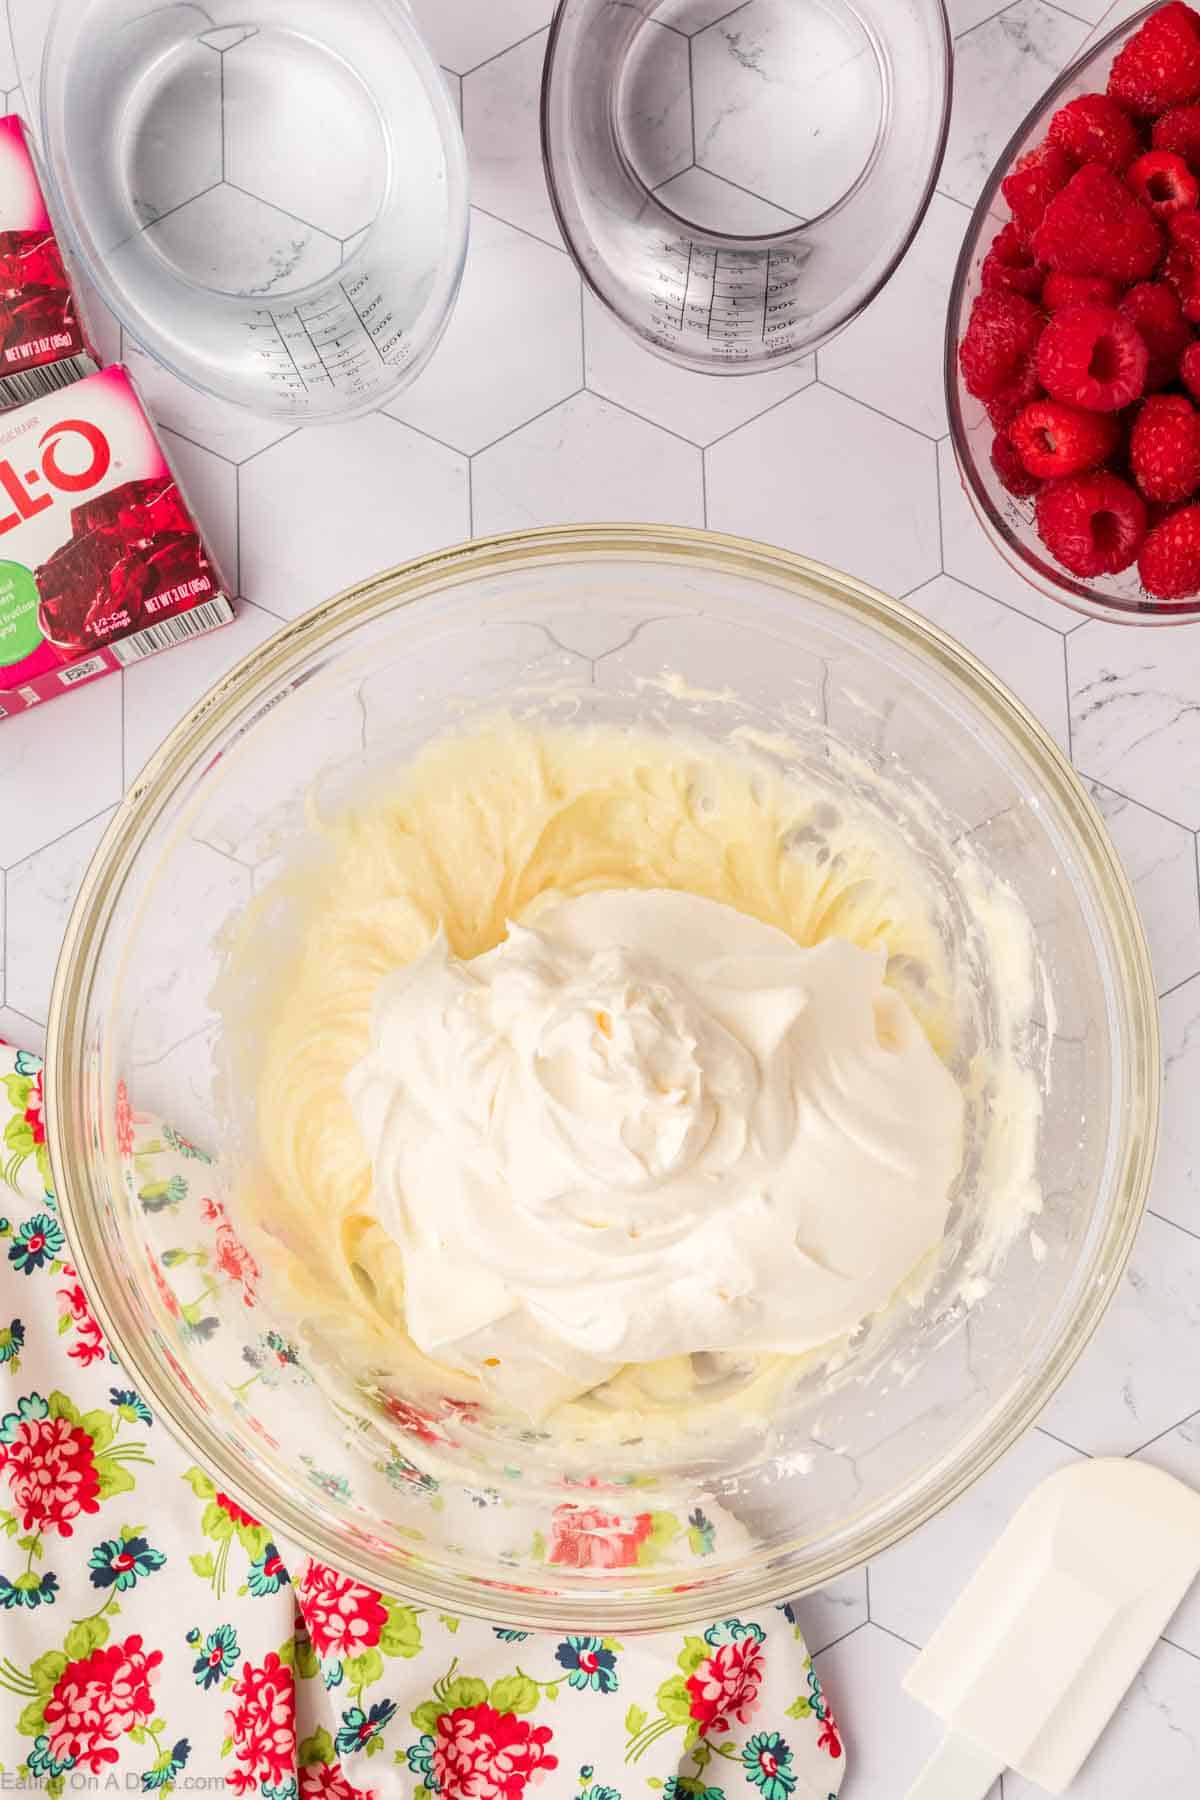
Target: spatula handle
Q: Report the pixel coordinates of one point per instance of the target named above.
(957, 1770)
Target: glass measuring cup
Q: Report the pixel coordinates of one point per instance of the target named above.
(269, 194)
(832, 112)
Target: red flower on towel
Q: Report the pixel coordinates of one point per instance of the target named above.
(343, 1617)
(482, 1754)
(51, 1468)
(725, 1688)
(97, 1699)
(262, 1726)
(327, 1781)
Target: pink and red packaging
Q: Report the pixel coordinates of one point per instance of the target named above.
(101, 563)
(42, 340)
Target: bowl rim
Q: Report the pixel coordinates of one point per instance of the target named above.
(1042, 575)
(771, 1574)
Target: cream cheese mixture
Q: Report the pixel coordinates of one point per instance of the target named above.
(650, 1127)
(603, 1063)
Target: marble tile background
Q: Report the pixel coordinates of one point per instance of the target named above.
(845, 455)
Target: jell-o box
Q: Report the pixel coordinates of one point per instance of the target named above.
(42, 342)
(101, 562)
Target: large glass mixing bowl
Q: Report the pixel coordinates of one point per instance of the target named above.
(429, 1500)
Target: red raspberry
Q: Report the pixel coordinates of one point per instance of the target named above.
(1179, 132)
(1095, 226)
(1169, 564)
(1177, 271)
(1163, 181)
(1160, 65)
(1011, 470)
(1009, 264)
(1091, 524)
(1181, 266)
(1154, 308)
(1014, 397)
(998, 343)
(1034, 181)
(1060, 290)
(1091, 357)
(1094, 129)
(1189, 369)
(1164, 448)
(1052, 439)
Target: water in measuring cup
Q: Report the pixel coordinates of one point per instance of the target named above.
(750, 124)
(275, 213)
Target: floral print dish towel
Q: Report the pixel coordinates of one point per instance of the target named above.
(154, 1637)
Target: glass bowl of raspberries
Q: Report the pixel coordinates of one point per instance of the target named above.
(1073, 332)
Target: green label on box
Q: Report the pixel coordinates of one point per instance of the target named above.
(20, 633)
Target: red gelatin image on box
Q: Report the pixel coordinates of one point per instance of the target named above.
(101, 563)
(139, 508)
(39, 321)
(133, 554)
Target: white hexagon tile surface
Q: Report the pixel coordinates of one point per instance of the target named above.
(538, 408)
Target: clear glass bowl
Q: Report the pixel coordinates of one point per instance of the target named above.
(432, 1504)
(271, 197)
(842, 105)
(1009, 522)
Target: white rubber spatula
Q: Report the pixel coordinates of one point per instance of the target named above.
(1032, 1660)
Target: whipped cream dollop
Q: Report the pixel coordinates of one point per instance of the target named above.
(650, 1127)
